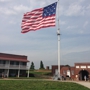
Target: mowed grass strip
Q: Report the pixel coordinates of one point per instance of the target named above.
(39, 85)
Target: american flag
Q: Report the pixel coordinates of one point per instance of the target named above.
(39, 18)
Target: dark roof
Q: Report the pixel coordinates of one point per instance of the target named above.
(13, 59)
(82, 63)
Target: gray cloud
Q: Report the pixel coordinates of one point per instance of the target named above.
(4, 0)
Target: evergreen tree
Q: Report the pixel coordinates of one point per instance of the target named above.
(32, 67)
(41, 65)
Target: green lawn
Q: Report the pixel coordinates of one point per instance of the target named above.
(41, 72)
(39, 85)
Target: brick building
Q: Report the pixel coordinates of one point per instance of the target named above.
(76, 72)
(13, 65)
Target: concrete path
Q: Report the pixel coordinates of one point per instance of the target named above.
(86, 84)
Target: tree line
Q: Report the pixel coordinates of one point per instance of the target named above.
(32, 67)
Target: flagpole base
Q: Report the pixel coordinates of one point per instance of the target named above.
(57, 76)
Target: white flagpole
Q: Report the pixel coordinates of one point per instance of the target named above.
(58, 34)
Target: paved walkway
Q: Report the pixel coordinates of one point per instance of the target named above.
(86, 84)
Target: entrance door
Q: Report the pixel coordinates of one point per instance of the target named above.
(82, 74)
(68, 73)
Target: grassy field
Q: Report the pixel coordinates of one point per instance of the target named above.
(39, 85)
(43, 74)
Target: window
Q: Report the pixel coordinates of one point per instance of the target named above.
(83, 66)
(1, 62)
(17, 63)
(68, 73)
(14, 63)
(22, 63)
(77, 66)
(88, 66)
(11, 62)
(64, 72)
(72, 72)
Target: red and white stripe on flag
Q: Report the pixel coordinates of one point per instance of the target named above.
(35, 20)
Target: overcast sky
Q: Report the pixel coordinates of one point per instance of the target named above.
(42, 44)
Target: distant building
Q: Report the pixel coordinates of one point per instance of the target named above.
(76, 72)
(47, 67)
(13, 65)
